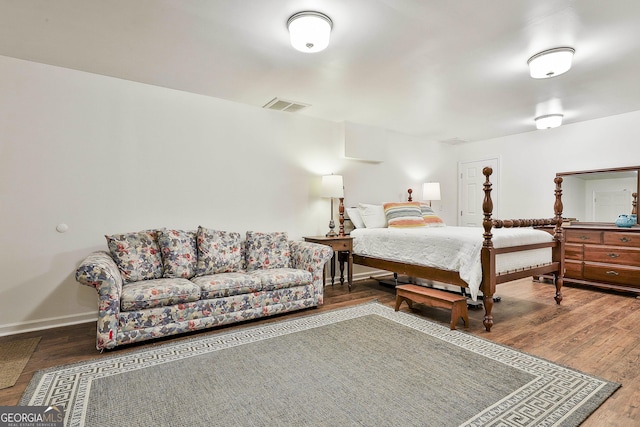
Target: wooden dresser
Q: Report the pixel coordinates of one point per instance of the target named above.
(603, 256)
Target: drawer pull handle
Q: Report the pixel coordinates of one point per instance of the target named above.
(584, 237)
(612, 273)
(613, 255)
(624, 240)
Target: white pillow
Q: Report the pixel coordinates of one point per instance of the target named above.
(356, 219)
(372, 215)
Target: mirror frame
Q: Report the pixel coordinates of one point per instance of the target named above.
(636, 169)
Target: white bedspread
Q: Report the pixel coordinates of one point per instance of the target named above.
(452, 248)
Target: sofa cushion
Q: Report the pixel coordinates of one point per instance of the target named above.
(267, 250)
(179, 253)
(157, 293)
(137, 255)
(277, 278)
(225, 284)
(218, 251)
(191, 316)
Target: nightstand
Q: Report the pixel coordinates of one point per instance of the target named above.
(343, 247)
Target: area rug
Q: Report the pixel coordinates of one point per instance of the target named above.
(14, 356)
(365, 365)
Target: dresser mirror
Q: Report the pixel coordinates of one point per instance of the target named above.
(601, 195)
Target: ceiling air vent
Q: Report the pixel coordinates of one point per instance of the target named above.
(284, 105)
(453, 141)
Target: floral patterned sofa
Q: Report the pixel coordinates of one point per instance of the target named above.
(162, 282)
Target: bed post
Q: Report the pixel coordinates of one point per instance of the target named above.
(558, 251)
(488, 257)
(409, 198)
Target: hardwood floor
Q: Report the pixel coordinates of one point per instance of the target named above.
(595, 332)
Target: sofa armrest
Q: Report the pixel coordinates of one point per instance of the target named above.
(311, 257)
(100, 271)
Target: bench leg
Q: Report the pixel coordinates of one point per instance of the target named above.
(455, 315)
(459, 310)
(399, 300)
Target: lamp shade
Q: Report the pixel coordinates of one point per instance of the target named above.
(332, 186)
(550, 63)
(431, 191)
(309, 31)
(549, 121)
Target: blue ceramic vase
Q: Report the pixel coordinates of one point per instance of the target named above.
(626, 221)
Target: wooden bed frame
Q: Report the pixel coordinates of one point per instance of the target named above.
(488, 253)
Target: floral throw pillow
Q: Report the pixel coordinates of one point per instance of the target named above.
(267, 250)
(179, 253)
(218, 251)
(137, 255)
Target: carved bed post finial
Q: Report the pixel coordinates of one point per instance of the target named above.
(487, 208)
(341, 211)
(410, 191)
(634, 204)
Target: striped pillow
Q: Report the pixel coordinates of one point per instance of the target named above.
(431, 219)
(403, 214)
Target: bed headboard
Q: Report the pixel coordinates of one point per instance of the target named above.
(487, 207)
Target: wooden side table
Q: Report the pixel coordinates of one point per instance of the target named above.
(343, 247)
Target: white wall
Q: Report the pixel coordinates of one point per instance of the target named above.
(529, 161)
(105, 156)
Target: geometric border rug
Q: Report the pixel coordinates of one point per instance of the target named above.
(541, 394)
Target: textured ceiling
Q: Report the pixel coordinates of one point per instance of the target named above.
(443, 70)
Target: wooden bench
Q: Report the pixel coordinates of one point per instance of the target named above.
(434, 298)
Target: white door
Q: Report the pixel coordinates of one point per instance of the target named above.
(471, 192)
(607, 205)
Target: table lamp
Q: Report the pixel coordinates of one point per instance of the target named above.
(333, 187)
(431, 191)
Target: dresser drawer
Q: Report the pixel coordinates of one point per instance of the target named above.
(573, 269)
(573, 251)
(612, 273)
(612, 254)
(583, 236)
(622, 239)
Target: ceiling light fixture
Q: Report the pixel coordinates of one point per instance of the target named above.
(549, 121)
(309, 31)
(550, 63)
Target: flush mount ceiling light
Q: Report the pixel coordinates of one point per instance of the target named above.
(309, 31)
(549, 121)
(550, 63)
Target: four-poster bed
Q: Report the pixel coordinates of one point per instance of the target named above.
(490, 274)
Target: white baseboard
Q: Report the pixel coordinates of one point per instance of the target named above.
(52, 322)
(369, 275)
(361, 276)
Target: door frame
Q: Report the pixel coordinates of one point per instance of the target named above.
(495, 188)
